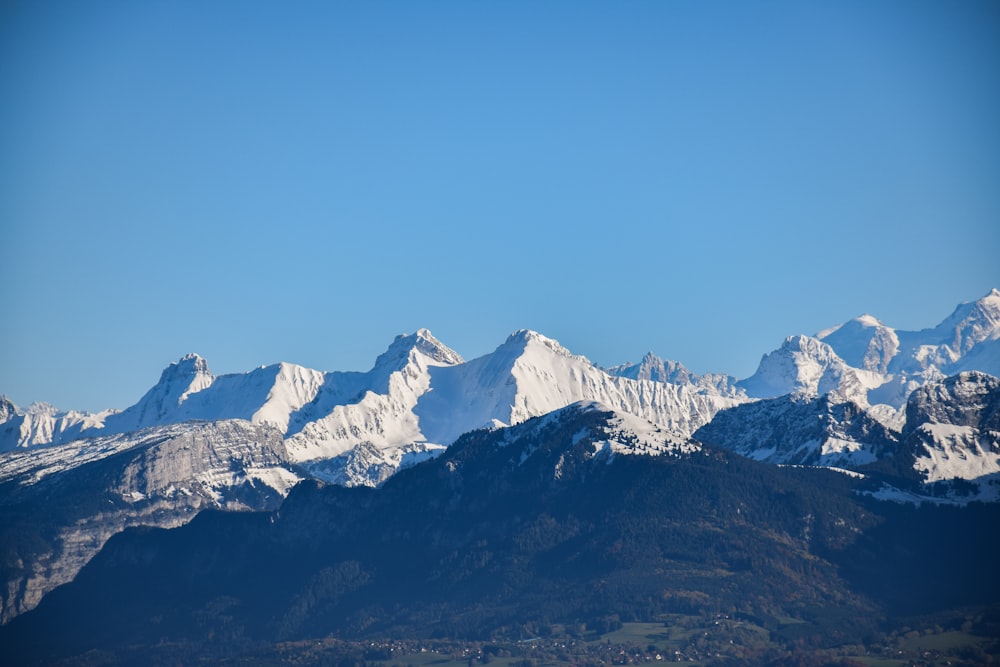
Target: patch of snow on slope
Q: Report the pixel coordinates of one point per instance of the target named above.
(628, 434)
(847, 452)
(957, 454)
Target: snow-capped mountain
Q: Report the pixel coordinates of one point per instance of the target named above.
(188, 390)
(960, 335)
(867, 343)
(863, 342)
(951, 432)
(419, 396)
(42, 424)
(806, 365)
(241, 441)
(868, 362)
(420, 391)
(376, 407)
(531, 375)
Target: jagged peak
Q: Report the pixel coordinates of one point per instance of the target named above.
(430, 346)
(7, 408)
(41, 408)
(423, 341)
(803, 343)
(968, 377)
(189, 364)
(988, 303)
(522, 338)
(191, 368)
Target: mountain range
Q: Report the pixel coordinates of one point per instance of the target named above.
(913, 416)
(570, 522)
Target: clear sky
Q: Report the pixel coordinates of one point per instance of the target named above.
(295, 181)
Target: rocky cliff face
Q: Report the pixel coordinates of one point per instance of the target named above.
(953, 427)
(55, 521)
(802, 430)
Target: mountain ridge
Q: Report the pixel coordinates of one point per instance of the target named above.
(806, 405)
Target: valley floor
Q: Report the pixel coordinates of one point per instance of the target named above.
(963, 638)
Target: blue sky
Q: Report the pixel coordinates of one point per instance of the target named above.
(262, 181)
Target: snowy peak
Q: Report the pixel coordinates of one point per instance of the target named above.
(863, 342)
(7, 409)
(178, 381)
(189, 364)
(972, 323)
(968, 339)
(429, 346)
(187, 376)
(653, 368)
(802, 365)
(376, 407)
(965, 340)
(531, 375)
(403, 348)
(523, 340)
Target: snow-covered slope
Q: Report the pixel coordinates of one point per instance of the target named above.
(375, 407)
(531, 375)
